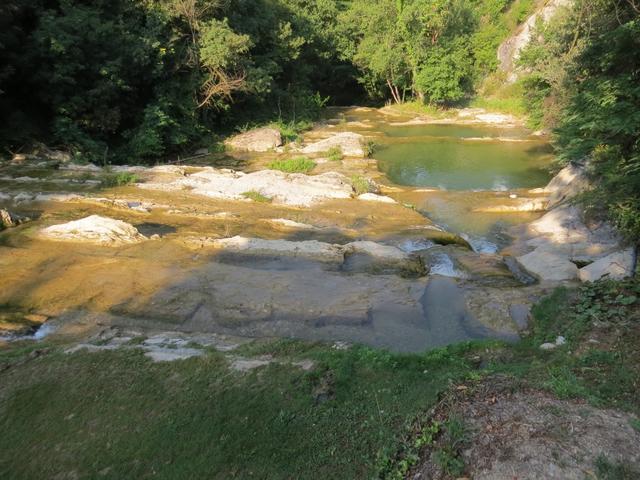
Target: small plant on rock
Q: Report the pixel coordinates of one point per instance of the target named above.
(256, 196)
(119, 179)
(362, 185)
(293, 165)
(335, 154)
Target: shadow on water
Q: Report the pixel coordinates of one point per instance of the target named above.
(149, 228)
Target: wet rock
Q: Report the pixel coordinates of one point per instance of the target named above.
(289, 224)
(258, 140)
(308, 249)
(9, 220)
(290, 189)
(372, 197)
(615, 266)
(521, 205)
(351, 144)
(95, 229)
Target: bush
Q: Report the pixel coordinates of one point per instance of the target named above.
(119, 179)
(361, 185)
(293, 165)
(335, 154)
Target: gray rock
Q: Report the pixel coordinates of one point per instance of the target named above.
(351, 144)
(546, 265)
(95, 229)
(520, 314)
(615, 266)
(569, 182)
(509, 51)
(294, 189)
(258, 140)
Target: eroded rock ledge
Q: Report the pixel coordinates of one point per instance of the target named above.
(562, 245)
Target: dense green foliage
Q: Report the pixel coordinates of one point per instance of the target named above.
(137, 80)
(584, 81)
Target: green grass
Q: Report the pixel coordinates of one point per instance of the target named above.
(608, 470)
(119, 179)
(291, 131)
(117, 415)
(256, 196)
(606, 373)
(335, 154)
(361, 185)
(293, 165)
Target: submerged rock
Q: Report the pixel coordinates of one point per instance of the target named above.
(312, 249)
(350, 144)
(258, 140)
(354, 256)
(373, 197)
(95, 229)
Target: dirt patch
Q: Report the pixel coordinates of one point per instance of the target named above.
(514, 433)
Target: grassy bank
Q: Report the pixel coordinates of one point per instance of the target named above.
(115, 414)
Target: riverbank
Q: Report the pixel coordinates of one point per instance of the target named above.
(280, 408)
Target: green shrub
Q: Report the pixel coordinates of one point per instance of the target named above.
(361, 185)
(119, 179)
(256, 196)
(335, 154)
(293, 165)
(369, 147)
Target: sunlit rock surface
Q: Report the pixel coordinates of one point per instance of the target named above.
(94, 229)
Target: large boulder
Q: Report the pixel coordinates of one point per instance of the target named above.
(258, 140)
(568, 183)
(294, 189)
(95, 229)
(615, 266)
(350, 144)
(547, 265)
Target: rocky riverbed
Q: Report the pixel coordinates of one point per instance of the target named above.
(256, 252)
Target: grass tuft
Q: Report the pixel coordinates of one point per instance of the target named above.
(293, 165)
(256, 196)
(119, 179)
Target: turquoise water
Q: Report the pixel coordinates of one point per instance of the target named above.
(462, 158)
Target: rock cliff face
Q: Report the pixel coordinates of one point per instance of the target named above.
(509, 51)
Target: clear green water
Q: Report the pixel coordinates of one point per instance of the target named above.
(462, 158)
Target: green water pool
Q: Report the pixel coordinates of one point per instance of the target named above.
(455, 157)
